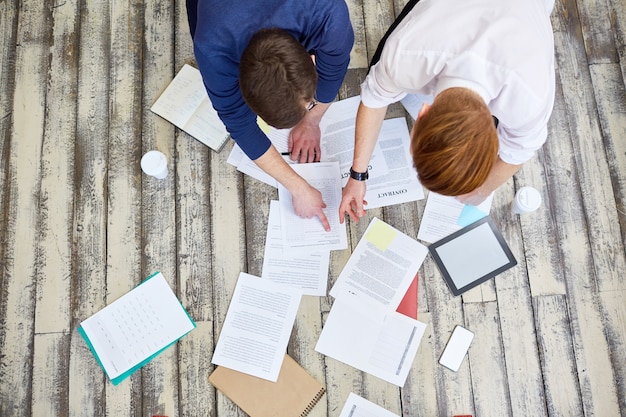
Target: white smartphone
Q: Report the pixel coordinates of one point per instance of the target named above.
(457, 347)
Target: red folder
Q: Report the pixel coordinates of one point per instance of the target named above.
(408, 305)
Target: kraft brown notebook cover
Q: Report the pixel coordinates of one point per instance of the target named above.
(293, 395)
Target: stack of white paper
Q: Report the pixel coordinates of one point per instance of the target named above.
(363, 329)
(392, 177)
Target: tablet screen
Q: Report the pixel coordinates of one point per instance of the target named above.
(472, 255)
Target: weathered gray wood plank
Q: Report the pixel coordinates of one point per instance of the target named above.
(589, 154)
(515, 310)
(537, 229)
(23, 184)
(123, 186)
(487, 361)
(609, 88)
(590, 346)
(195, 289)
(379, 15)
(228, 257)
(612, 304)
(557, 356)
(617, 12)
(358, 55)
(54, 274)
(89, 281)
(160, 394)
(57, 176)
(8, 27)
(50, 361)
(596, 25)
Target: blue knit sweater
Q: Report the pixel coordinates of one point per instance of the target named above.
(223, 31)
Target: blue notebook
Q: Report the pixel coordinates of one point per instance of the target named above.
(134, 329)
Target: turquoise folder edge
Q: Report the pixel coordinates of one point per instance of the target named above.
(132, 370)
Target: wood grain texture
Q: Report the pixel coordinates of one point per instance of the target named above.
(158, 200)
(515, 311)
(487, 360)
(609, 89)
(123, 34)
(50, 363)
(540, 248)
(228, 255)
(57, 175)
(597, 32)
(23, 185)
(81, 225)
(563, 398)
(612, 305)
(590, 346)
(589, 156)
(8, 27)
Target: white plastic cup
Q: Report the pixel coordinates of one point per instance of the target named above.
(527, 199)
(154, 163)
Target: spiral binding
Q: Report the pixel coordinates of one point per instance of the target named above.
(314, 401)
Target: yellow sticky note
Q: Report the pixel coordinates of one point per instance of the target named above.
(264, 126)
(381, 235)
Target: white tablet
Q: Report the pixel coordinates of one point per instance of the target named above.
(472, 255)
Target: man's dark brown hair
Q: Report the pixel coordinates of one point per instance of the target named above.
(277, 77)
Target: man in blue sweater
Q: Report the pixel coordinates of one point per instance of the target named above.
(222, 32)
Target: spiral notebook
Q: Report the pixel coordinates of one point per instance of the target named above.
(295, 393)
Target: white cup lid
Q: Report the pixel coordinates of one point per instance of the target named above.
(529, 198)
(153, 162)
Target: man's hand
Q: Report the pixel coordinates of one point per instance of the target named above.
(304, 138)
(352, 201)
(307, 202)
(304, 141)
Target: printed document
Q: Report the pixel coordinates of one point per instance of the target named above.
(337, 141)
(381, 268)
(186, 104)
(279, 138)
(303, 269)
(400, 184)
(309, 233)
(136, 326)
(413, 103)
(445, 215)
(257, 327)
(357, 406)
(383, 345)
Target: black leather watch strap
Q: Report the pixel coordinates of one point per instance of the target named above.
(359, 176)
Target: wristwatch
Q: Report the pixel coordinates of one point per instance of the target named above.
(359, 176)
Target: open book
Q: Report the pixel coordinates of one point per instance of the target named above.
(185, 103)
(131, 331)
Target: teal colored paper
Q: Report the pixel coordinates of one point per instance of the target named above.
(469, 215)
(128, 373)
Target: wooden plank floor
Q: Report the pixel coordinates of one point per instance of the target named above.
(80, 226)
